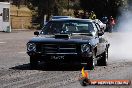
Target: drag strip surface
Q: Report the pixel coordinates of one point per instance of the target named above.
(15, 71)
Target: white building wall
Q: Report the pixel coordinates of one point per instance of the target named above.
(4, 25)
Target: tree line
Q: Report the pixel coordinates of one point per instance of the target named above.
(100, 7)
(56, 7)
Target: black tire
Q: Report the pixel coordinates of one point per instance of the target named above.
(33, 62)
(103, 59)
(90, 63)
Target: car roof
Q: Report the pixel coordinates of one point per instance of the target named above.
(61, 16)
(73, 19)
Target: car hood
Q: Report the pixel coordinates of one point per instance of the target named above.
(70, 39)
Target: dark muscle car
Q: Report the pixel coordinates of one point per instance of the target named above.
(69, 41)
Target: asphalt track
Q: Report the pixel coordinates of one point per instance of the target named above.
(16, 73)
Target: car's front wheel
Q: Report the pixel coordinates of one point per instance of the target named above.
(90, 62)
(33, 62)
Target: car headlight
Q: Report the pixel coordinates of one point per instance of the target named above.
(85, 48)
(31, 47)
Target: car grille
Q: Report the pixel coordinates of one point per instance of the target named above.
(59, 48)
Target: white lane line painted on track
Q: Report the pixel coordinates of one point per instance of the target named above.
(22, 52)
(7, 38)
(2, 42)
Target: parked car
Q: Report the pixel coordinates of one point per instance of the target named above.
(59, 17)
(101, 24)
(69, 41)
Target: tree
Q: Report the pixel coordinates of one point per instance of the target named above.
(46, 7)
(102, 7)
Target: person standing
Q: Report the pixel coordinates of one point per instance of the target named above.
(111, 24)
(92, 15)
(85, 15)
(76, 13)
(105, 21)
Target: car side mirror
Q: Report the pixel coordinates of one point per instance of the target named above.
(36, 33)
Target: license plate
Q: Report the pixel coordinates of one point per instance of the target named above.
(57, 57)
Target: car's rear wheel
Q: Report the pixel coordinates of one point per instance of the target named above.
(103, 60)
(33, 62)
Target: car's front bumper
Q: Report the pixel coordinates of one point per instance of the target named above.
(63, 57)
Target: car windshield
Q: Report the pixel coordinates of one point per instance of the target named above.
(55, 27)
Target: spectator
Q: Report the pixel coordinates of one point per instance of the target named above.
(92, 15)
(76, 13)
(85, 15)
(111, 23)
(105, 20)
(81, 15)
